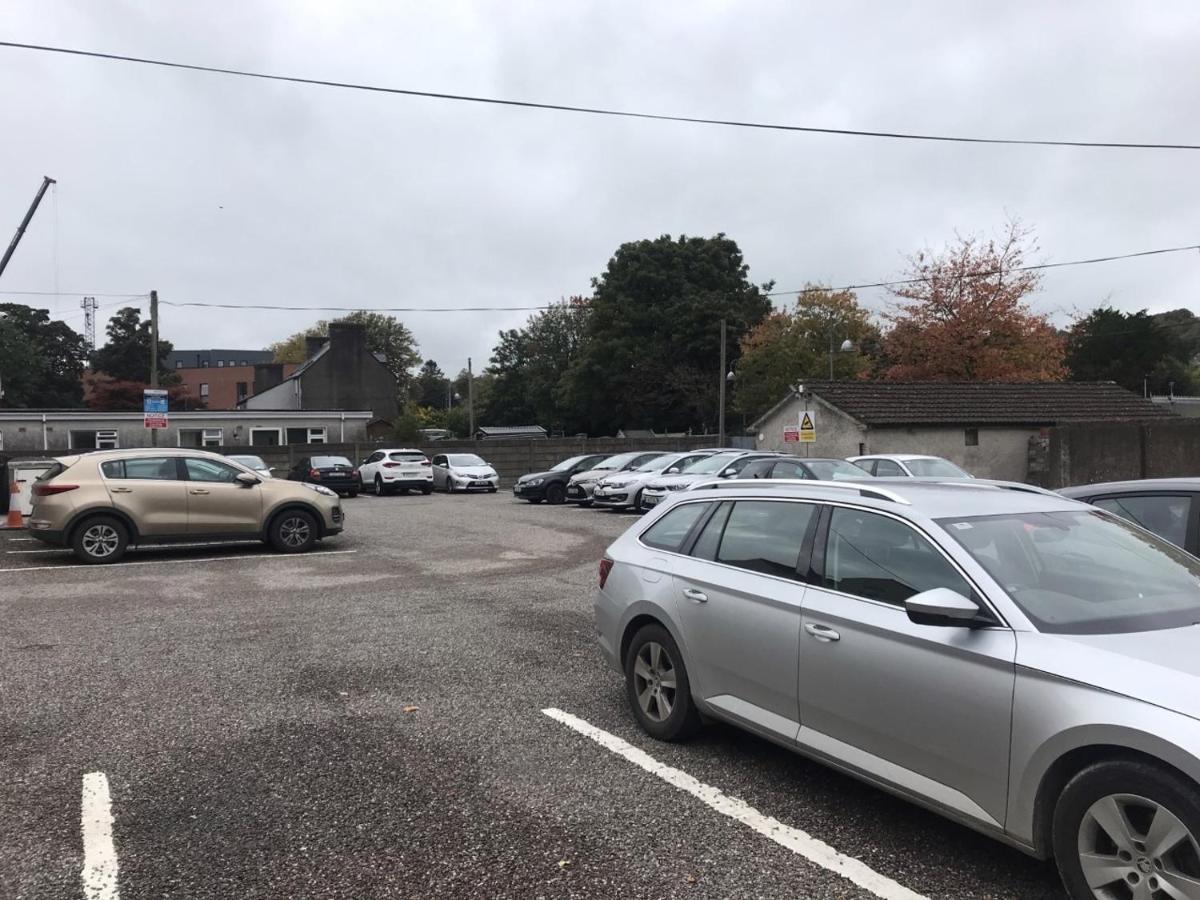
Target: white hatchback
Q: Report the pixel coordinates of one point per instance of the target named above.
(401, 469)
(464, 472)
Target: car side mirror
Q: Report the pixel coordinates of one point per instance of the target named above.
(245, 479)
(674, 470)
(941, 606)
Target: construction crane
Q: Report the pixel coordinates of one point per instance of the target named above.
(46, 182)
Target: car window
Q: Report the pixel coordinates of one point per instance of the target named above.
(669, 531)
(328, 462)
(885, 467)
(710, 538)
(765, 536)
(759, 469)
(209, 470)
(411, 457)
(935, 467)
(738, 464)
(789, 469)
(834, 470)
(880, 558)
(1166, 516)
(145, 468)
(439, 460)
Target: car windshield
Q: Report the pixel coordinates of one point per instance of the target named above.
(835, 469)
(712, 464)
(934, 467)
(659, 463)
(464, 459)
(328, 462)
(1084, 572)
(568, 464)
(617, 462)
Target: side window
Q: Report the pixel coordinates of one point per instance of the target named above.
(209, 470)
(669, 531)
(765, 536)
(759, 469)
(1165, 516)
(885, 467)
(114, 468)
(789, 470)
(151, 468)
(738, 464)
(710, 538)
(439, 461)
(880, 558)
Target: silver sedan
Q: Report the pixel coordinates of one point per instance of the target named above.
(1023, 664)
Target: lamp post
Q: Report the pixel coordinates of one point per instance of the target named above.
(846, 347)
(721, 392)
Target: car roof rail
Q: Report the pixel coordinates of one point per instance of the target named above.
(998, 485)
(863, 490)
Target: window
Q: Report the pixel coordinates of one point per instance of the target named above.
(331, 462)
(765, 536)
(439, 461)
(204, 364)
(935, 467)
(220, 363)
(179, 363)
(204, 389)
(316, 435)
(758, 469)
(669, 532)
(243, 389)
(209, 470)
(143, 468)
(265, 437)
(375, 457)
(971, 437)
(242, 363)
(789, 470)
(880, 558)
(862, 449)
(834, 470)
(885, 467)
(738, 464)
(200, 437)
(1165, 516)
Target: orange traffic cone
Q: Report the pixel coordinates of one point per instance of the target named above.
(14, 507)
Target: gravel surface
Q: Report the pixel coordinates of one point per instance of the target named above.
(368, 724)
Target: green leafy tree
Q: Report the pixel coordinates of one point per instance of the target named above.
(430, 386)
(650, 357)
(385, 334)
(1132, 349)
(41, 361)
(126, 356)
(794, 344)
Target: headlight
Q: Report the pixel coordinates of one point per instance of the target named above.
(320, 489)
(534, 482)
(674, 487)
(616, 485)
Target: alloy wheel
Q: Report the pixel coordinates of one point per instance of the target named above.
(1132, 848)
(654, 681)
(100, 541)
(378, 486)
(295, 531)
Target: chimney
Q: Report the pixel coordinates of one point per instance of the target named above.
(267, 375)
(347, 341)
(312, 344)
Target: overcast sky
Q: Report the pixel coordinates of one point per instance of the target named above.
(222, 189)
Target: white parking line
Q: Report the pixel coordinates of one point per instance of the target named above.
(800, 843)
(99, 855)
(51, 550)
(84, 567)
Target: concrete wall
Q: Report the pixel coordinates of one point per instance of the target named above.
(1089, 452)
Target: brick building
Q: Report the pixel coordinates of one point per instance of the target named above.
(221, 378)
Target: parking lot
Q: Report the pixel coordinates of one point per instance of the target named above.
(416, 709)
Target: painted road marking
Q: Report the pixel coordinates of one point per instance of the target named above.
(51, 550)
(99, 855)
(116, 567)
(799, 842)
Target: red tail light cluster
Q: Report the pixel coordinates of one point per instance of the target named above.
(426, 462)
(314, 474)
(390, 465)
(354, 473)
(45, 489)
(606, 565)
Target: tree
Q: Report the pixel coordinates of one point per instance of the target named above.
(790, 345)
(385, 334)
(964, 316)
(126, 356)
(649, 357)
(1135, 350)
(114, 395)
(430, 387)
(41, 361)
(529, 365)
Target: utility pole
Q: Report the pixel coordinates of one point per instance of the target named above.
(471, 398)
(154, 355)
(721, 401)
(89, 325)
(46, 182)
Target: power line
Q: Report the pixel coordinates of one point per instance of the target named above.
(596, 111)
(1031, 268)
(408, 309)
(69, 294)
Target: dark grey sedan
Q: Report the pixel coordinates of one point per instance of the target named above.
(1165, 506)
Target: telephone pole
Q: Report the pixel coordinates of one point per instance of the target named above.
(154, 355)
(721, 401)
(471, 398)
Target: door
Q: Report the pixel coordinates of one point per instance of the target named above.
(738, 597)
(886, 468)
(150, 490)
(370, 465)
(922, 707)
(217, 503)
(441, 471)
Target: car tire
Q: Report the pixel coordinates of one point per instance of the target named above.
(555, 494)
(492, 490)
(533, 501)
(379, 489)
(584, 504)
(100, 539)
(1127, 796)
(353, 493)
(449, 486)
(293, 531)
(427, 490)
(653, 654)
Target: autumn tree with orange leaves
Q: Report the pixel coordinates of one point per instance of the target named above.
(964, 316)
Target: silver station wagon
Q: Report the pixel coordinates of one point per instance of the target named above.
(1024, 664)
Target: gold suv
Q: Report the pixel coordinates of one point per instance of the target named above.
(100, 504)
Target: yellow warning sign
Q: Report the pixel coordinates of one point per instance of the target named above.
(808, 427)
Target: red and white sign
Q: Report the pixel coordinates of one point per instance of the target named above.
(791, 434)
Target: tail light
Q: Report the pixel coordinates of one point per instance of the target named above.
(426, 462)
(391, 465)
(354, 473)
(46, 488)
(315, 474)
(606, 565)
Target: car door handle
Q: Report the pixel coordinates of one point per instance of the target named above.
(199, 491)
(698, 596)
(823, 633)
(122, 490)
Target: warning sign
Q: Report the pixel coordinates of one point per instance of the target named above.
(808, 427)
(791, 434)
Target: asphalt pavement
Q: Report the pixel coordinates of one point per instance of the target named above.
(367, 721)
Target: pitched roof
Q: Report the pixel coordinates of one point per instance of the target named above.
(498, 430)
(981, 403)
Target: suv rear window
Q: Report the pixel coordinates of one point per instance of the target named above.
(669, 532)
(407, 457)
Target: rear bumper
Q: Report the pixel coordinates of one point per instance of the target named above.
(421, 483)
(53, 537)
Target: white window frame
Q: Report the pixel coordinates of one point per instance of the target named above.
(204, 389)
(110, 437)
(280, 436)
(209, 437)
(318, 435)
(220, 363)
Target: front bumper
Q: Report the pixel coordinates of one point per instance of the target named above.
(529, 492)
(613, 499)
(475, 484)
(651, 500)
(581, 492)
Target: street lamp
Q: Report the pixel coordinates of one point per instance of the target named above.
(846, 347)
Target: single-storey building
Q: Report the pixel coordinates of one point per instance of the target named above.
(983, 427)
(510, 432)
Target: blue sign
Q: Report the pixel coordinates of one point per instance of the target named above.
(154, 402)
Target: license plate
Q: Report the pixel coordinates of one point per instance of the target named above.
(480, 484)
(410, 472)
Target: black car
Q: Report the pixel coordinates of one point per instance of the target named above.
(551, 485)
(1169, 507)
(335, 472)
(804, 468)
